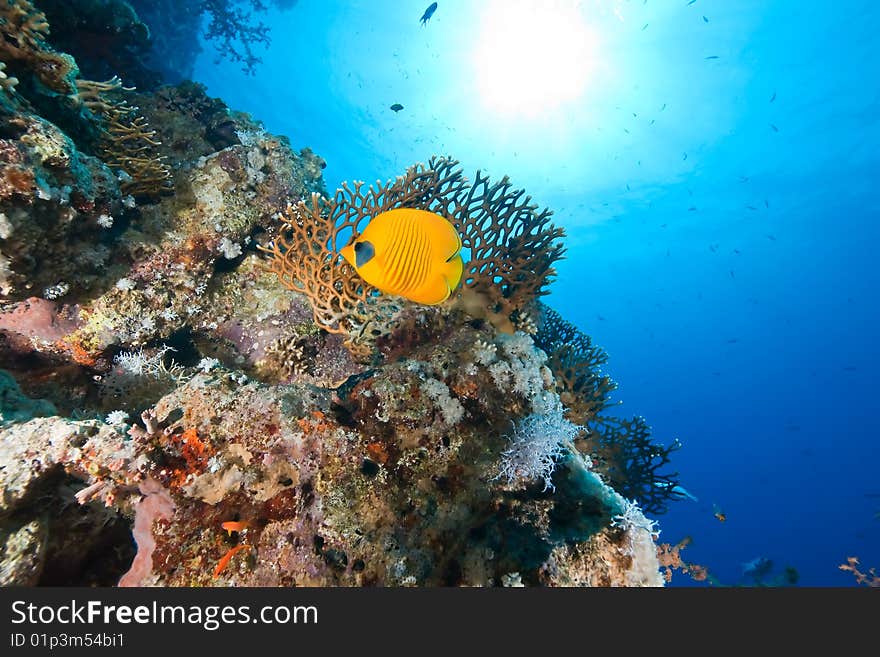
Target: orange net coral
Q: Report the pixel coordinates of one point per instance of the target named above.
(305, 256)
(508, 245)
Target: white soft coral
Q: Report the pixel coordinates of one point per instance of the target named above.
(536, 444)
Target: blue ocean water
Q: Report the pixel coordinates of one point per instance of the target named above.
(715, 165)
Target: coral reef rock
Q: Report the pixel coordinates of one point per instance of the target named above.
(392, 478)
(196, 390)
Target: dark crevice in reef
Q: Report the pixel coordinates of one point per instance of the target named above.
(52, 540)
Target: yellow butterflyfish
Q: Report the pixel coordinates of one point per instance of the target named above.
(411, 253)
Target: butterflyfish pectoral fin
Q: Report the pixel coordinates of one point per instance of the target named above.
(434, 293)
(347, 252)
(457, 250)
(453, 271)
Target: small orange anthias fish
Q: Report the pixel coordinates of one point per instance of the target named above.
(234, 526)
(414, 254)
(719, 513)
(224, 561)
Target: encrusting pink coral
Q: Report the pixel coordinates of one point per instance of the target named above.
(155, 503)
(36, 318)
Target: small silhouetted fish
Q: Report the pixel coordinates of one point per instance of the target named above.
(732, 341)
(600, 318)
(684, 157)
(731, 274)
(751, 207)
(713, 248)
(396, 107)
(663, 225)
(775, 129)
(663, 108)
(766, 203)
(626, 131)
(850, 368)
(691, 2)
(705, 20)
(644, 27)
(428, 13)
(675, 490)
(693, 208)
(652, 122)
(744, 179)
(770, 237)
(627, 187)
(712, 57)
(773, 97)
(736, 251)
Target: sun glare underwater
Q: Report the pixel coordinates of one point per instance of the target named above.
(675, 361)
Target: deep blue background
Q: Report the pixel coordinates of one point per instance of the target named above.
(722, 219)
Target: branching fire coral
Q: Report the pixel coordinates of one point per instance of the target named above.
(23, 32)
(129, 144)
(510, 246)
(7, 83)
(126, 142)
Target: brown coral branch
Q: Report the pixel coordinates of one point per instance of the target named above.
(575, 362)
(6, 83)
(23, 32)
(93, 88)
(129, 143)
(624, 452)
(512, 246)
